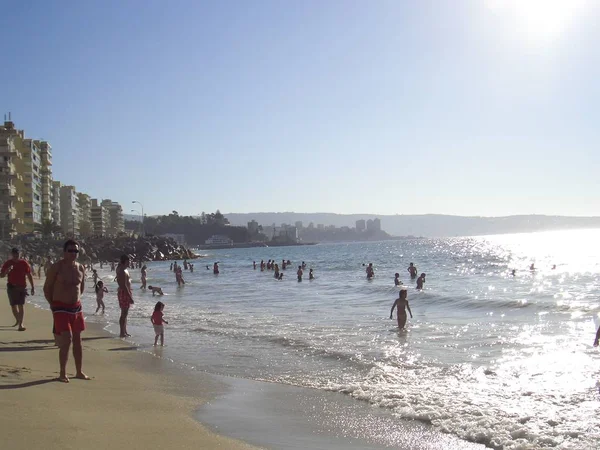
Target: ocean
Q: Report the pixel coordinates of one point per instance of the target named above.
(505, 361)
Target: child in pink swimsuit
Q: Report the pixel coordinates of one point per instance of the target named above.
(157, 320)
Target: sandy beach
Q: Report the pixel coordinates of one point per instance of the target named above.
(133, 401)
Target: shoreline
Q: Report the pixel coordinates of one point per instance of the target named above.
(133, 400)
(217, 411)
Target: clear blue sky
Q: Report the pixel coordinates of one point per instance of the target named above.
(457, 107)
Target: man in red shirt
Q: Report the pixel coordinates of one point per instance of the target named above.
(16, 287)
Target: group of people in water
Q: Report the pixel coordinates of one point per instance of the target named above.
(401, 303)
(278, 274)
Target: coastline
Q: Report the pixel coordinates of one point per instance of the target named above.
(253, 245)
(134, 400)
(138, 398)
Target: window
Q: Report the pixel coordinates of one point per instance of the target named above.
(28, 214)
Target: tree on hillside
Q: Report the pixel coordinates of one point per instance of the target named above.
(195, 229)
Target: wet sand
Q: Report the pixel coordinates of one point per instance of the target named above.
(130, 402)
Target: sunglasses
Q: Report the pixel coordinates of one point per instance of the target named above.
(72, 250)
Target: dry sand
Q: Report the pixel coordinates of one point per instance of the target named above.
(134, 400)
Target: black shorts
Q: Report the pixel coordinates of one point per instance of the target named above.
(16, 294)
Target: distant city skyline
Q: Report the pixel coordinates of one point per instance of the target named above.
(472, 108)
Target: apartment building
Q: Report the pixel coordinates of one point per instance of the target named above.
(31, 186)
(100, 218)
(69, 210)
(56, 185)
(10, 143)
(85, 217)
(115, 211)
(29, 195)
(47, 189)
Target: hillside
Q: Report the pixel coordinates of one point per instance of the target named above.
(427, 225)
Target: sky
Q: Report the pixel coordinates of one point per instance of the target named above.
(480, 107)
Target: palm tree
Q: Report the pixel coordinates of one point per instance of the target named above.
(48, 228)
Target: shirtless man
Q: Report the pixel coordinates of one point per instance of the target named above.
(124, 294)
(65, 282)
(412, 270)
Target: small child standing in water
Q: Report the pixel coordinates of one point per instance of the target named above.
(100, 290)
(157, 320)
(402, 304)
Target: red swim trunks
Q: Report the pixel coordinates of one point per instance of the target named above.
(67, 317)
(125, 299)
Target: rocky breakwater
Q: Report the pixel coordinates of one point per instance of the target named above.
(150, 248)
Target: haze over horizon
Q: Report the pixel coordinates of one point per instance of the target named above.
(472, 108)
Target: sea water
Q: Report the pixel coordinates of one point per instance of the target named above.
(489, 357)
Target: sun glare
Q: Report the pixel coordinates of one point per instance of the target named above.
(539, 20)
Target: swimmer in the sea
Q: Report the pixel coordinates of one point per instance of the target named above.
(397, 281)
(421, 281)
(412, 270)
(311, 276)
(370, 271)
(402, 304)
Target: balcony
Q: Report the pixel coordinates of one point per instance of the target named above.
(10, 150)
(7, 165)
(6, 210)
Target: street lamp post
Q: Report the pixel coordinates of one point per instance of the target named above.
(139, 214)
(143, 230)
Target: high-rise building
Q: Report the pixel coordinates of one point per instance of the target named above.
(69, 210)
(10, 141)
(298, 224)
(377, 224)
(56, 217)
(370, 225)
(360, 225)
(85, 218)
(29, 166)
(100, 218)
(117, 224)
(47, 188)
